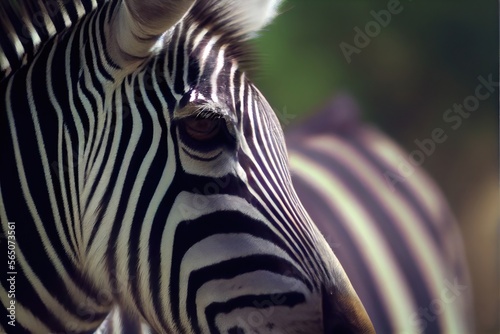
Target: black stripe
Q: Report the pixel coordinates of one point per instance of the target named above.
(200, 158)
(179, 75)
(170, 54)
(157, 68)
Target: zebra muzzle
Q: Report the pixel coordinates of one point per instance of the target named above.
(344, 313)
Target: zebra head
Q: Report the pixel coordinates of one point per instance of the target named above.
(228, 245)
(159, 181)
(217, 239)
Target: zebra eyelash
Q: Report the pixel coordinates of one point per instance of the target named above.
(205, 109)
(209, 114)
(208, 110)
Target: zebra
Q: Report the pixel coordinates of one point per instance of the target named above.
(385, 219)
(140, 168)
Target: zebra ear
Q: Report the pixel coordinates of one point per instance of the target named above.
(250, 16)
(139, 24)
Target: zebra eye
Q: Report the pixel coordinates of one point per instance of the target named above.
(200, 128)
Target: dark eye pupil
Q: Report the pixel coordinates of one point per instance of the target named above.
(202, 128)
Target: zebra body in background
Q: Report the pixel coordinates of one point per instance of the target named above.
(386, 221)
(143, 170)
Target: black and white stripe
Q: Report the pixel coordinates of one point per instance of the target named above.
(117, 203)
(386, 221)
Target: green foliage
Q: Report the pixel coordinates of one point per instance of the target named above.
(426, 58)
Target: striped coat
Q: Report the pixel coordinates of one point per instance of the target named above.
(386, 221)
(143, 170)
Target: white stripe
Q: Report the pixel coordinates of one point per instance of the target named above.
(4, 63)
(232, 88)
(65, 16)
(71, 250)
(206, 52)
(186, 59)
(169, 77)
(117, 321)
(199, 37)
(215, 75)
(80, 10)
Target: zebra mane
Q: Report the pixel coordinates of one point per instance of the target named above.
(240, 19)
(235, 22)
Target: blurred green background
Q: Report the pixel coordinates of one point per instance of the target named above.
(427, 58)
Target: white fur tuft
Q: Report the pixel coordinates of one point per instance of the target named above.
(251, 16)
